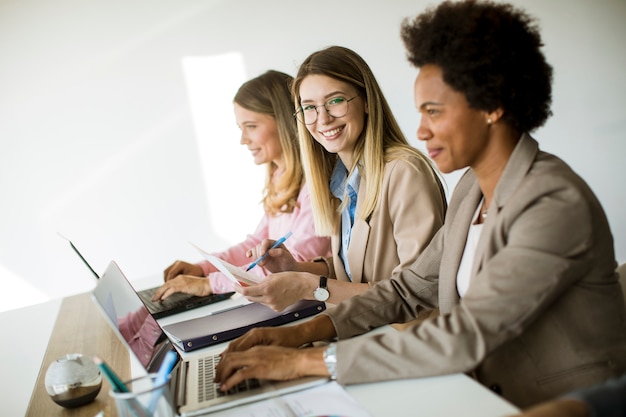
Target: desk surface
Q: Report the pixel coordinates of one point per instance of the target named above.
(80, 328)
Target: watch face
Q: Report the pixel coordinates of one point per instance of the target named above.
(321, 294)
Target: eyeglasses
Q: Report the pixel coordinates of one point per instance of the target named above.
(335, 107)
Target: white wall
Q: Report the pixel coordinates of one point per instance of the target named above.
(100, 141)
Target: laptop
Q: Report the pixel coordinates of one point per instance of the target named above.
(195, 393)
(174, 304)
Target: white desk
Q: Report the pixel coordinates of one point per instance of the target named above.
(439, 396)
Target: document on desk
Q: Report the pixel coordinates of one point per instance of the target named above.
(236, 275)
(321, 401)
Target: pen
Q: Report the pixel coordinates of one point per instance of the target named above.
(119, 386)
(274, 246)
(114, 380)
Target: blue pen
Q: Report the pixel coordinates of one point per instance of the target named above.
(274, 246)
(161, 378)
(114, 380)
(119, 386)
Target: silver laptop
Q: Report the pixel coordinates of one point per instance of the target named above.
(174, 304)
(195, 393)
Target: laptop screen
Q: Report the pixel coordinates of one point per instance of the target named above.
(126, 313)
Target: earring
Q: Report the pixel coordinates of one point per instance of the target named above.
(488, 121)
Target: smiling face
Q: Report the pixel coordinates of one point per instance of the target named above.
(259, 132)
(456, 135)
(336, 134)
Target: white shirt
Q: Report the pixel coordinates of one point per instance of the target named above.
(464, 274)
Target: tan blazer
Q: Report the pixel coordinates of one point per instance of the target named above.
(410, 210)
(543, 314)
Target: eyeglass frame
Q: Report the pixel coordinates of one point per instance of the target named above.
(317, 113)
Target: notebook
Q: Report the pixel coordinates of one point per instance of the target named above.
(195, 393)
(174, 304)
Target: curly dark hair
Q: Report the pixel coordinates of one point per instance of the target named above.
(490, 53)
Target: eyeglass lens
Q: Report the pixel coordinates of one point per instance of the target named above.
(335, 107)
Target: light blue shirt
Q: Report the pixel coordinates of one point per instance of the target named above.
(343, 187)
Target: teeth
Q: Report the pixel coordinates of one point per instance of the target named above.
(332, 132)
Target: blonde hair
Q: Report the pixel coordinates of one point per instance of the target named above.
(381, 139)
(270, 94)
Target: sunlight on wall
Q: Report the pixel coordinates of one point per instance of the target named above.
(233, 182)
(18, 293)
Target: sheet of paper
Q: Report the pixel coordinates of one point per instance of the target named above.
(235, 274)
(321, 401)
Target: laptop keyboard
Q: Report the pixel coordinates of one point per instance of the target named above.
(175, 300)
(208, 389)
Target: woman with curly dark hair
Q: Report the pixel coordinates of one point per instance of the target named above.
(523, 270)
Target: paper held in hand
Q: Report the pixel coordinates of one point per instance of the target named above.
(235, 274)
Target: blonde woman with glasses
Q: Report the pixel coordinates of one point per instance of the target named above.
(378, 198)
(263, 111)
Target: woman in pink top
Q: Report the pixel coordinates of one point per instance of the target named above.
(264, 113)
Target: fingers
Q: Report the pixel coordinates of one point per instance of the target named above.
(260, 250)
(265, 362)
(182, 268)
(173, 270)
(250, 290)
(163, 292)
(264, 336)
(259, 294)
(245, 342)
(265, 245)
(158, 294)
(254, 338)
(258, 362)
(232, 370)
(183, 283)
(277, 291)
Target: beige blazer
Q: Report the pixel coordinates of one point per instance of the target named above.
(544, 312)
(410, 210)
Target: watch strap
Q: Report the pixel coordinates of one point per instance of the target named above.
(323, 281)
(330, 359)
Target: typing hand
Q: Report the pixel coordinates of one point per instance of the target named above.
(183, 283)
(266, 336)
(182, 267)
(268, 362)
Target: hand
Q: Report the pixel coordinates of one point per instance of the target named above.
(183, 283)
(279, 291)
(182, 267)
(288, 336)
(317, 329)
(278, 259)
(269, 362)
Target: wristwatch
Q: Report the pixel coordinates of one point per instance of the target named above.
(321, 292)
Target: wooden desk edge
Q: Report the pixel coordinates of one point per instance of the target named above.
(80, 328)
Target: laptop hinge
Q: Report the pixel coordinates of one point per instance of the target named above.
(181, 385)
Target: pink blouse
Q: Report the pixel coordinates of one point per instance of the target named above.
(303, 244)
